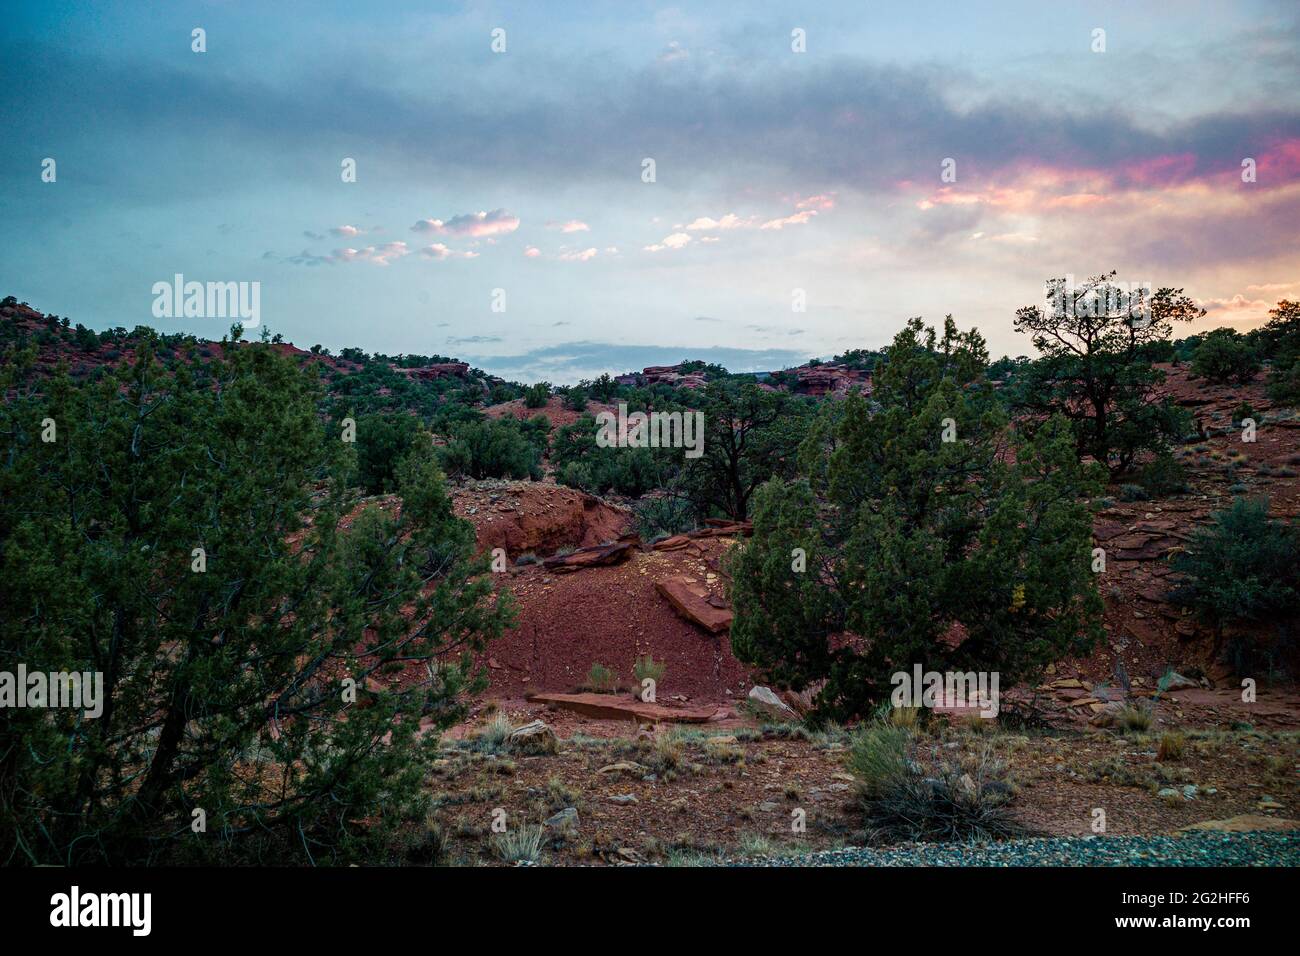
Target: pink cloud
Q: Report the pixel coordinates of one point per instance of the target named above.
(822, 201)
(1237, 309)
(532, 252)
(573, 225)
(477, 225)
(575, 256)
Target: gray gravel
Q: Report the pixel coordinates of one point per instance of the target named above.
(1204, 849)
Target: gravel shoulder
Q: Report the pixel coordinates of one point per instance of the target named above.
(1208, 849)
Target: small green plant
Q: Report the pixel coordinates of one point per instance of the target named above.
(601, 679)
(536, 396)
(648, 667)
(493, 737)
(521, 845)
(1131, 719)
(1132, 493)
(1172, 746)
(878, 758)
(904, 798)
(559, 796)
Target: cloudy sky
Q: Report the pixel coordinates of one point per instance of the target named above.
(522, 170)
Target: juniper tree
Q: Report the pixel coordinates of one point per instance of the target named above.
(895, 546)
(193, 536)
(1094, 370)
(749, 436)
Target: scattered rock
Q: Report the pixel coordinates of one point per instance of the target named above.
(769, 703)
(691, 601)
(566, 819)
(533, 738)
(1176, 681)
(624, 766)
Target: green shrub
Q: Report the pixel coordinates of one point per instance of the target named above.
(1225, 356)
(663, 515)
(878, 758)
(950, 799)
(536, 396)
(575, 399)
(491, 449)
(520, 845)
(1172, 746)
(601, 679)
(1163, 475)
(1243, 569)
(648, 667)
(382, 441)
(1132, 719)
(1133, 493)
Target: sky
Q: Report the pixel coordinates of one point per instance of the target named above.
(868, 162)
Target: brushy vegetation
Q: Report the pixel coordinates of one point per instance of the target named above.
(1242, 574)
(1002, 552)
(648, 668)
(184, 536)
(519, 845)
(945, 799)
(601, 680)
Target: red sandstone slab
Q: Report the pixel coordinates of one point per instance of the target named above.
(689, 603)
(619, 707)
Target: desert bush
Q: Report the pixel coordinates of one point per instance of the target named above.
(1132, 719)
(1224, 356)
(878, 758)
(559, 795)
(902, 799)
(663, 515)
(537, 395)
(1172, 746)
(1243, 569)
(908, 718)
(647, 666)
(520, 845)
(491, 449)
(1163, 475)
(1132, 493)
(581, 463)
(493, 737)
(601, 679)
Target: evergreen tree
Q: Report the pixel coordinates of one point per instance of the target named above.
(183, 536)
(929, 533)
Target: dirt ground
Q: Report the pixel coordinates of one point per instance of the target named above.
(680, 795)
